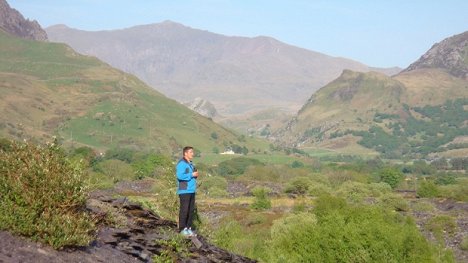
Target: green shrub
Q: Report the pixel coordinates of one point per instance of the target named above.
(394, 202)
(236, 166)
(261, 173)
(344, 233)
(353, 191)
(43, 196)
(457, 191)
(117, 170)
(391, 176)
(427, 189)
(379, 189)
(464, 244)
(167, 200)
(317, 189)
(422, 206)
(299, 186)
(214, 186)
(150, 164)
(227, 234)
(96, 180)
(262, 201)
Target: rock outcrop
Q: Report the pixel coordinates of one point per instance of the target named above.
(203, 107)
(450, 54)
(13, 22)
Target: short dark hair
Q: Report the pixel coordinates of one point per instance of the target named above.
(186, 149)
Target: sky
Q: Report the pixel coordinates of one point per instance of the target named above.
(378, 33)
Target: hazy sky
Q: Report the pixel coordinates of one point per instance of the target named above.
(380, 33)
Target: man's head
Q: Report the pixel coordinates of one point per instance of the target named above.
(187, 152)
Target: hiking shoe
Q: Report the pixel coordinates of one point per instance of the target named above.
(191, 233)
(185, 232)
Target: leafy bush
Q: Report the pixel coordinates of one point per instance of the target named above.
(262, 201)
(121, 154)
(391, 176)
(317, 189)
(299, 186)
(343, 233)
(261, 173)
(457, 191)
(394, 202)
(236, 166)
(148, 165)
(422, 206)
(117, 170)
(464, 243)
(353, 191)
(43, 196)
(214, 186)
(427, 189)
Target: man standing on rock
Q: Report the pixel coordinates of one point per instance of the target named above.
(186, 188)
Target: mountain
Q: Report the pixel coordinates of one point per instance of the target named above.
(421, 111)
(13, 22)
(47, 89)
(203, 107)
(184, 63)
(451, 55)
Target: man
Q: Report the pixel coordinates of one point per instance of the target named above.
(186, 188)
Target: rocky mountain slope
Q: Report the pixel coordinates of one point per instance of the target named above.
(236, 74)
(420, 111)
(450, 54)
(13, 22)
(203, 107)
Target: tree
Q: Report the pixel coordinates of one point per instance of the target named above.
(391, 176)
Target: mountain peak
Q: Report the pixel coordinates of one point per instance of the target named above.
(451, 54)
(13, 22)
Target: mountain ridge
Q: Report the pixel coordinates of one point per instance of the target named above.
(13, 22)
(181, 61)
(419, 112)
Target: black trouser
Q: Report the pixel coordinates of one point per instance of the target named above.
(186, 211)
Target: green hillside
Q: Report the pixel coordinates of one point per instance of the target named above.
(48, 89)
(421, 112)
(417, 113)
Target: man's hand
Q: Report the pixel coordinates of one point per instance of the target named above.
(195, 174)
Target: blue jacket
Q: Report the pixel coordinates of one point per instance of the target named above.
(186, 183)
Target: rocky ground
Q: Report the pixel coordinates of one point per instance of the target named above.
(127, 233)
(454, 209)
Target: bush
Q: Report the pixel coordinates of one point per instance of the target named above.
(317, 189)
(117, 170)
(261, 173)
(427, 189)
(262, 201)
(353, 191)
(299, 186)
(422, 206)
(214, 186)
(457, 191)
(391, 176)
(343, 233)
(464, 244)
(394, 202)
(236, 166)
(43, 196)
